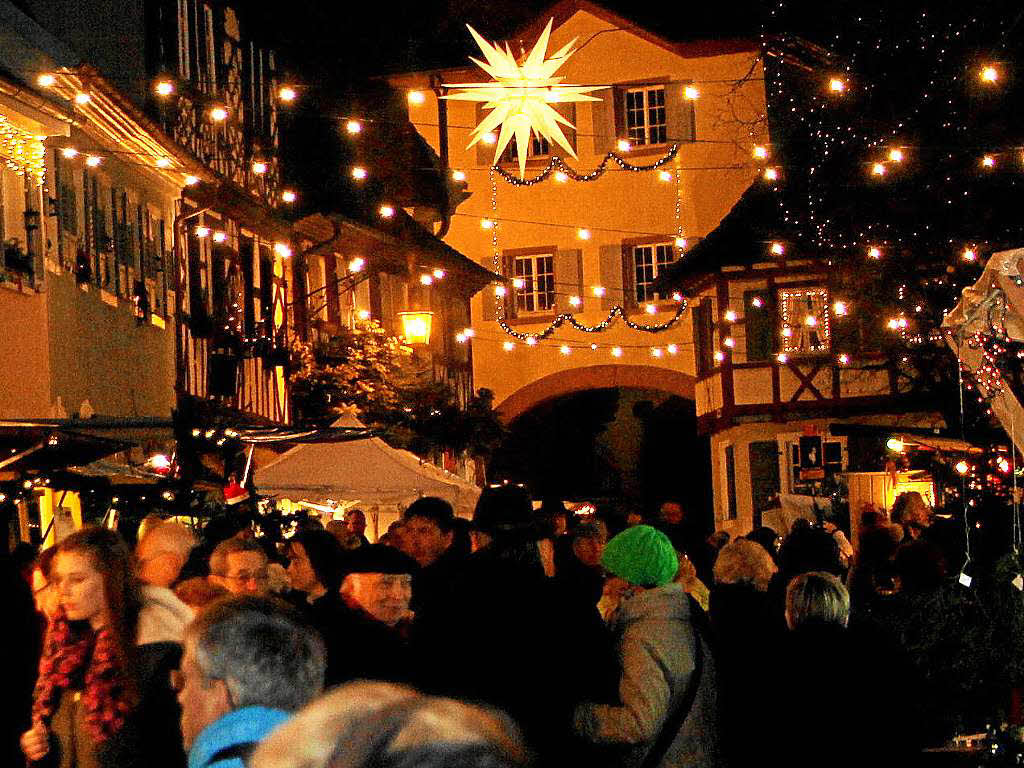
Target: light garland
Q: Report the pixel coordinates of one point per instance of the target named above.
(22, 152)
(557, 165)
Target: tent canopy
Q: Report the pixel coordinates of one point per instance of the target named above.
(368, 471)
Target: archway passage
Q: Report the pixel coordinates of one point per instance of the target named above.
(595, 377)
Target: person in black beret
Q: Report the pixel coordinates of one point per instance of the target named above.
(375, 626)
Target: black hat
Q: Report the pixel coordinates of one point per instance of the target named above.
(378, 558)
(504, 509)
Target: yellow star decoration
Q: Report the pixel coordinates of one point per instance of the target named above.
(521, 95)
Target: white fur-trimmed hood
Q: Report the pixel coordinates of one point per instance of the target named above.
(163, 616)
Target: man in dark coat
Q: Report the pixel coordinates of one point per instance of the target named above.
(375, 628)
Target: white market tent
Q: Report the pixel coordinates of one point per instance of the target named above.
(367, 473)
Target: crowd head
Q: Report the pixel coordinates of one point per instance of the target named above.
(428, 529)
(162, 550)
(246, 652)
(240, 566)
(378, 581)
(815, 599)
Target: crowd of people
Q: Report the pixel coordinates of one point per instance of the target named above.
(515, 638)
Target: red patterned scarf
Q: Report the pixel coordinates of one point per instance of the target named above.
(66, 653)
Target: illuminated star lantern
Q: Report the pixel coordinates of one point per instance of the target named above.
(520, 96)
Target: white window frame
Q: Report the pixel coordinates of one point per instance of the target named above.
(805, 321)
(530, 293)
(656, 267)
(645, 132)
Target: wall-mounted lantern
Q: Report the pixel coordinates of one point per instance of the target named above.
(416, 326)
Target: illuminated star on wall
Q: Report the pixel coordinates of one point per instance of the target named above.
(520, 96)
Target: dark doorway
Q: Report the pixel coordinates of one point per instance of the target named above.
(632, 447)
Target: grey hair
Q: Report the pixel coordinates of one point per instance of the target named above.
(816, 598)
(219, 556)
(262, 650)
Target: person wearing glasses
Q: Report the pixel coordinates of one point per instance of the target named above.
(248, 664)
(103, 697)
(241, 567)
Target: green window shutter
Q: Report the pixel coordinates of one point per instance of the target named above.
(759, 327)
(679, 113)
(568, 278)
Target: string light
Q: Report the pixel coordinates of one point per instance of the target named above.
(486, 224)
(896, 155)
(969, 254)
(415, 97)
(438, 274)
(93, 160)
(82, 98)
(508, 346)
(386, 211)
(556, 164)
(561, 177)
(836, 85)
(583, 234)
(218, 114)
(489, 138)
(598, 290)
(778, 249)
(672, 349)
(288, 196)
(719, 356)
(69, 153)
(650, 309)
(843, 359)
(259, 167)
(691, 93)
(353, 127)
(988, 161)
(164, 88)
(458, 175)
(760, 152)
(665, 176)
(771, 174)
(359, 173)
(616, 351)
(782, 357)
(191, 181)
(531, 341)
(623, 146)
(962, 467)
(875, 252)
(680, 243)
(287, 94)
(878, 169)
(46, 80)
(730, 316)
(220, 237)
(500, 291)
(989, 74)
(202, 231)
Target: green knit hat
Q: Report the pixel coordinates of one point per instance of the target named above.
(641, 555)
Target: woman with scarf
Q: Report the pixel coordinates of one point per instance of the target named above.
(103, 697)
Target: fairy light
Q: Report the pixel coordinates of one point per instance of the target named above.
(353, 127)
(962, 467)
(82, 98)
(988, 161)
(969, 254)
(508, 346)
(202, 231)
(220, 237)
(989, 74)
(386, 211)
(282, 250)
(289, 196)
(677, 296)
(787, 332)
(875, 252)
(531, 341)
(287, 94)
(500, 291)
(575, 301)
(623, 146)
(426, 280)
(259, 167)
(489, 138)
(778, 249)
(616, 351)
(93, 160)
(191, 181)
(583, 234)
(665, 176)
(46, 80)
(690, 93)
(458, 175)
(561, 177)
(811, 321)
(837, 85)
(218, 114)
(896, 155)
(878, 169)
(730, 316)
(672, 349)
(760, 152)
(416, 97)
(598, 290)
(680, 243)
(359, 173)
(771, 174)
(486, 224)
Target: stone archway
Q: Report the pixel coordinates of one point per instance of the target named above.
(595, 377)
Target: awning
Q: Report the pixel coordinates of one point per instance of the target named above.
(369, 471)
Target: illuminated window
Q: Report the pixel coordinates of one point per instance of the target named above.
(537, 273)
(648, 262)
(538, 148)
(646, 117)
(833, 461)
(804, 321)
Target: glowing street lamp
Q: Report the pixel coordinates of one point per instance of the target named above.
(416, 326)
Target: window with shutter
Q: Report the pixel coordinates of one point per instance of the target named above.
(646, 119)
(648, 261)
(804, 318)
(759, 326)
(703, 336)
(534, 282)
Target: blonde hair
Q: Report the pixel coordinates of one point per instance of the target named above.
(816, 598)
(744, 562)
